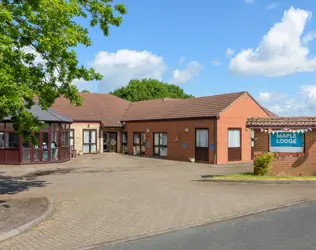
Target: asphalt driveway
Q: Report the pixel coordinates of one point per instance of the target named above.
(107, 198)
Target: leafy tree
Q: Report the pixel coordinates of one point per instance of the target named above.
(37, 57)
(86, 91)
(148, 89)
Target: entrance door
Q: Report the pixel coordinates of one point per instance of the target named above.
(106, 142)
(89, 141)
(113, 141)
(201, 145)
(234, 144)
(139, 143)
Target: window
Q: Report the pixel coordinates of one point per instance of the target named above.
(1, 139)
(12, 140)
(65, 139)
(26, 145)
(124, 143)
(72, 138)
(252, 138)
(202, 138)
(139, 143)
(89, 141)
(160, 144)
(233, 138)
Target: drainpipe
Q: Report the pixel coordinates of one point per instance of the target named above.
(215, 140)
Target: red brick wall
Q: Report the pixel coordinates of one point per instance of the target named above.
(175, 129)
(235, 116)
(290, 163)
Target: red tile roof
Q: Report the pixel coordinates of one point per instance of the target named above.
(166, 108)
(282, 122)
(105, 108)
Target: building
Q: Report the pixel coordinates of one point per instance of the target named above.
(206, 129)
(96, 126)
(292, 139)
(52, 144)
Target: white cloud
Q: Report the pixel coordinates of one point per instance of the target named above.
(38, 58)
(265, 96)
(216, 62)
(310, 36)
(181, 76)
(229, 52)
(280, 52)
(272, 6)
(120, 67)
(181, 60)
(249, 1)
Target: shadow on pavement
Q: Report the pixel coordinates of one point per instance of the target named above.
(13, 185)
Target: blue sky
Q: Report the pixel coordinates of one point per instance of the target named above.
(210, 47)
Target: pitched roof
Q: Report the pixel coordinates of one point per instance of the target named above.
(271, 114)
(48, 115)
(281, 122)
(104, 108)
(166, 108)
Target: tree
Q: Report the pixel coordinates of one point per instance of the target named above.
(37, 56)
(147, 89)
(86, 91)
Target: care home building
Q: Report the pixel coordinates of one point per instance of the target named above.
(96, 126)
(207, 129)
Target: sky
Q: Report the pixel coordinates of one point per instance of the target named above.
(209, 47)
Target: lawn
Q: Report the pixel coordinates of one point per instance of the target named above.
(251, 176)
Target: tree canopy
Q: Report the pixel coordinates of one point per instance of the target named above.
(148, 89)
(85, 91)
(37, 52)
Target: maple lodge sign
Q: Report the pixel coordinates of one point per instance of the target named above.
(286, 142)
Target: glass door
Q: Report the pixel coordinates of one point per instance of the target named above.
(89, 141)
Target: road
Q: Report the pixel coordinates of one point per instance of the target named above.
(288, 228)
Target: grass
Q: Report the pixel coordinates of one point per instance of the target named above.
(251, 176)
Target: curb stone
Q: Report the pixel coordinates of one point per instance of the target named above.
(258, 181)
(13, 232)
(197, 224)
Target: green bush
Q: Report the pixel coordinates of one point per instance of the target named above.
(263, 163)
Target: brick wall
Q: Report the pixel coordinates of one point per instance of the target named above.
(290, 163)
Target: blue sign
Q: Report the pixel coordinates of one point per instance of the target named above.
(185, 145)
(286, 142)
(148, 144)
(211, 146)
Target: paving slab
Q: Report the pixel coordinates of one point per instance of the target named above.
(112, 197)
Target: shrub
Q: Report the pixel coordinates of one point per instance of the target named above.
(263, 163)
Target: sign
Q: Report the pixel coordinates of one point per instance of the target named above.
(286, 142)
(148, 144)
(184, 145)
(211, 146)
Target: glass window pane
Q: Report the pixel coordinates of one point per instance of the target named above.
(86, 148)
(54, 139)
(156, 139)
(252, 133)
(55, 127)
(45, 140)
(65, 139)
(143, 138)
(124, 137)
(2, 125)
(1, 139)
(156, 152)
(202, 138)
(26, 155)
(86, 136)
(36, 140)
(12, 140)
(124, 149)
(71, 133)
(71, 141)
(36, 155)
(143, 149)
(233, 138)
(93, 148)
(163, 151)
(136, 138)
(93, 138)
(26, 144)
(54, 154)
(163, 139)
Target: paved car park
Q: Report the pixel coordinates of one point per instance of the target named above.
(107, 198)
